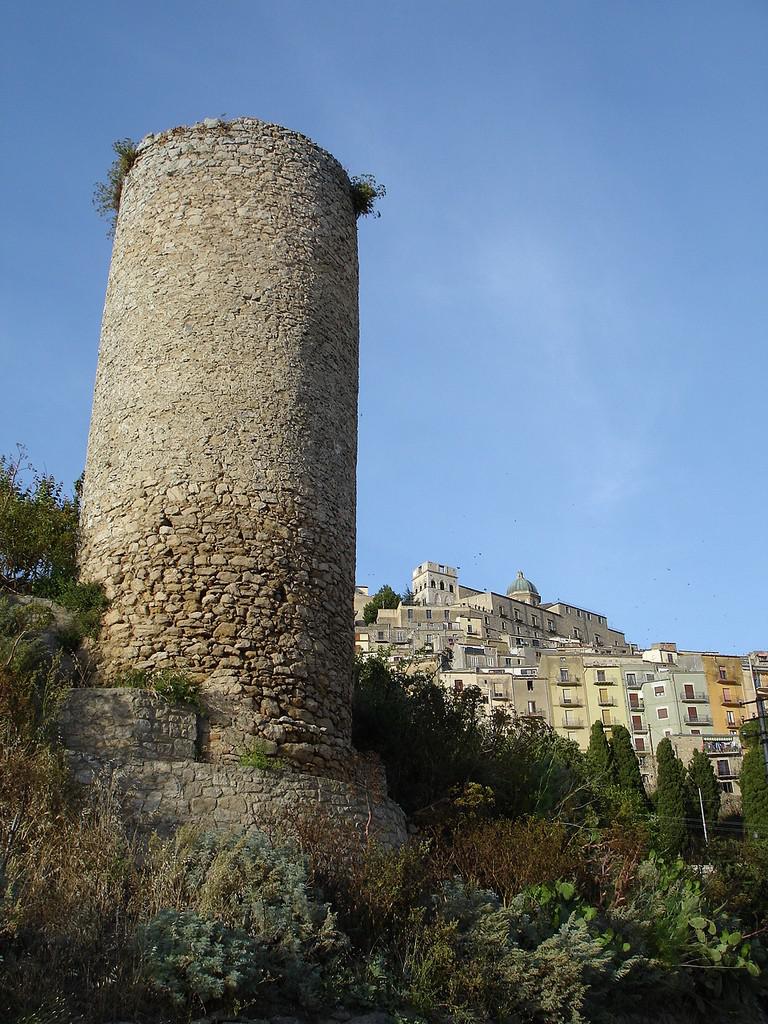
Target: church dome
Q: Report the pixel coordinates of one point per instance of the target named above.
(522, 586)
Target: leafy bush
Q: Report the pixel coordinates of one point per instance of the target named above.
(256, 756)
(365, 191)
(38, 529)
(172, 685)
(107, 194)
(433, 743)
(190, 959)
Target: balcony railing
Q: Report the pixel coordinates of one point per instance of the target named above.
(634, 684)
(639, 728)
(700, 720)
(693, 698)
(606, 702)
(570, 703)
(722, 747)
(573, 723)
(731, 702)
(569, 682)
(637, 705)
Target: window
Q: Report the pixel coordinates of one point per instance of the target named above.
(530, 686)
(450, 587)
(589, 617)
(563, 675)
(429, 613)
(649, 677)
(606, 717)
(381, 634)
(603, 696)
(432, 584)
(487, 620)
(723, 672)
(442, 585)
(518, 616)
(446, 615)
(410, 614)
(727, 787)
(567, 698)
(531, 707)
(469, 627)
(637, 723)
(695, 732)
(693, 714)
(634, 700)
(458, 685)
(551, 625)
(670, 659)
(658, 691)
(639, 743)
(688, 691)
(576, 633)
(601, 675)
(730, 718)
(631, 679)
(662, 713)
(507, 661)
(534, 621)
(723, 768)
(726, 695)
(598, 641)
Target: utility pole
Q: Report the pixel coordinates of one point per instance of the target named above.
(703, 819)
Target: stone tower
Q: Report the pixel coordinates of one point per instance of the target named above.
(219, 494)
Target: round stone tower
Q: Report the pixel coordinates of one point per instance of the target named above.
(219, 493)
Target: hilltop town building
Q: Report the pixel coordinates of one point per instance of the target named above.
(565, 665)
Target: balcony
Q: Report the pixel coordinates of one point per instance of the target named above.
(693, 698)
(731, 702)
(726, 776)
(634, 684)
(700, 720)
(716, 747)
(639, 705)
(569, 682)
(638, 729)
(573, 723)
(606, 702)
(570, 703)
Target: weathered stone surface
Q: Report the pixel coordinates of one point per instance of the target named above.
(219, 494)
(116, 722)
(166, 794)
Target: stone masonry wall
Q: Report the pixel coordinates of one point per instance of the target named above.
(219, 493)
(143, 748)
(115, 722)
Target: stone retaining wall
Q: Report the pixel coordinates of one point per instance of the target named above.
(143, 747)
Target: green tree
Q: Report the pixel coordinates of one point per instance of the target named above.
(599, 755)
(383, 598)
(38, 529)
(626, 768)
(670, 799)
(701, 778)
(753, 782)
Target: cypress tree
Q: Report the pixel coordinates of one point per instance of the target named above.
(670, 799)
(753, 783)
(626, 767)
(701, 776)
(599, 756)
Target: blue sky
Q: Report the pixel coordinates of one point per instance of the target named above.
(563, 305)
